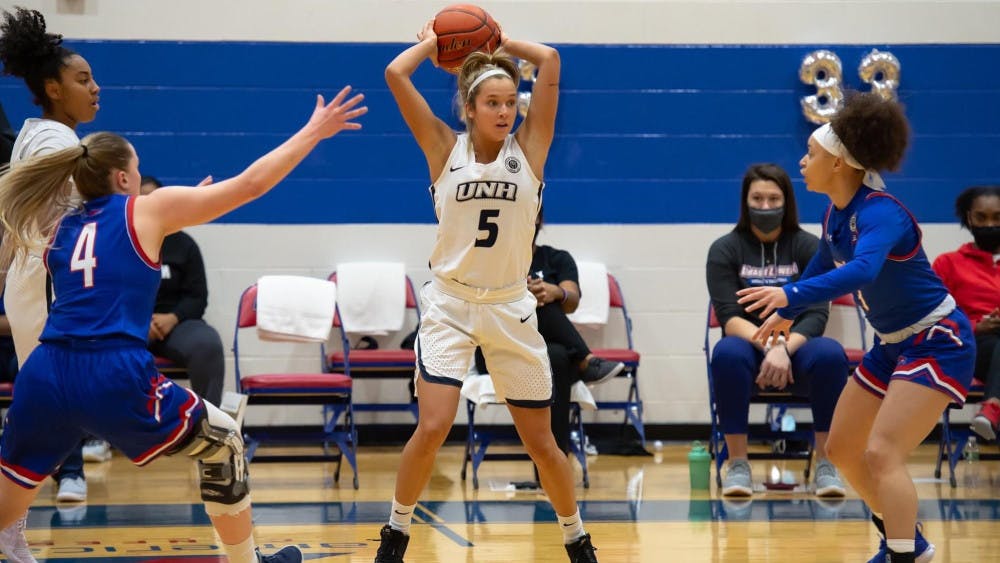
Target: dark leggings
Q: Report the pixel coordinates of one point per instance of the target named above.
(556, 328)
(819, 368)
(988, 363)
(196, 346)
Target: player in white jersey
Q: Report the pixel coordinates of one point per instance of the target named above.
(487, 191)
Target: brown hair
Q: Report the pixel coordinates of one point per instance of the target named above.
(476, 64)
(874, 130)
(773, 173)
(36, 193)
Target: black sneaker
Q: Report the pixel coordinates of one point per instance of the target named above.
(393, 545)
(598, 371)
(581, 550)
(287, 554)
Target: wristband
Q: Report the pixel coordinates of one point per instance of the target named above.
(565, 294)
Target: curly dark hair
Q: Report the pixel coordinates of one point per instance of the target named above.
(963, 203)
(29, 52)
(873, 129)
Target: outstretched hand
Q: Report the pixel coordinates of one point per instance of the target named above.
(774, 326)
(767, 298)
(330, 119)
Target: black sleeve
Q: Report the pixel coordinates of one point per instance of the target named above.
(723, 279)
(812, 322)
(565, 267)
(7, 138)
(194, 286)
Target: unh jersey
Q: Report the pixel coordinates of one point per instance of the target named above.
(105, 285)
(486, 217)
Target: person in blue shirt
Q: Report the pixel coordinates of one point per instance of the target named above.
(924, 351)
(92, 371)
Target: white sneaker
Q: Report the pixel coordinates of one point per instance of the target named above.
(13, 543)
(96, 450)
(72, 489)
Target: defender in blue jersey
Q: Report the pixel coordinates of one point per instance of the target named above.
(924, 351)
(92, 374)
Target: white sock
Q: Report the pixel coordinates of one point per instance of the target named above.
(571, 526)
(242, 552)
(401, 516)
(901, 546)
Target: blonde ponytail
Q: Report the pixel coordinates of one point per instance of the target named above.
(36, 193)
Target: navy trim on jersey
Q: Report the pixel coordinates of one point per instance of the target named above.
(433, 378)
(134, 237)
(920, 233)
(526, 404)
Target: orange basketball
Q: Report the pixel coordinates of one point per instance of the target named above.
(463, 29)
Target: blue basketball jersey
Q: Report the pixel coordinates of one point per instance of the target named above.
(873, 247)
(104, 285)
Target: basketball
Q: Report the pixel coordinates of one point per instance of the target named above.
(463, 29)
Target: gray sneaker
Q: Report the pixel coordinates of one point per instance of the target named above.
(828, 482)
(72, 489)
(13, 543)
(738, 482)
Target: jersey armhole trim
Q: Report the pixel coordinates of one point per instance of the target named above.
(134, 237)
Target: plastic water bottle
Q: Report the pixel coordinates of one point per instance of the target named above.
(971, 451)
(788, 423)
(971, 454)
(699, 466)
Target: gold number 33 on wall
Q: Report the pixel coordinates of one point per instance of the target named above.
(823, 69)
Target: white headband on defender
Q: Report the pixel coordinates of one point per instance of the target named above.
(489, 73)
(831, 142)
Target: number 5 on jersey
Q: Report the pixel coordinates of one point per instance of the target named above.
(492, 229)
(83, 254)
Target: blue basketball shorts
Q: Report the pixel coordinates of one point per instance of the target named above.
(942, 357)
(109, 389)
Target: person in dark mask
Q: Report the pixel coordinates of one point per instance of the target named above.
(972, 277)
(768, 248)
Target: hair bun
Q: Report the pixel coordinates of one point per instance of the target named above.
(24, 44)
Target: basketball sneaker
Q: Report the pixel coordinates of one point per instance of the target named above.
(598, 371)
(828, 482)
(287, 554)
(581, 550)
(738, 481)
(987, 420)
(96, 450)
(13, 543)
(72, 489)
(922, 549)
(393, 545)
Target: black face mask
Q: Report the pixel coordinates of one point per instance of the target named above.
(987, 238)
(766, 220)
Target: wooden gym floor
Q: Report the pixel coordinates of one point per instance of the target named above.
(638, 509)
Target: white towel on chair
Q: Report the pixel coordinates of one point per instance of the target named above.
(596, 295)
(371, 296)
(580, 393)
(479, 389)
(295, 308)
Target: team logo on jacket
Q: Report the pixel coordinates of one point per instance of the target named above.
(513, 164)
(486, 190)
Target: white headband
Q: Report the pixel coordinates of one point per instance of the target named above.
(489, 73)
(831, 142)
